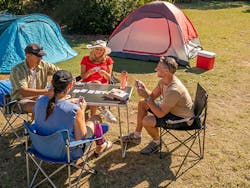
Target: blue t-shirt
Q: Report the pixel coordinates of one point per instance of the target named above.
(62, 117)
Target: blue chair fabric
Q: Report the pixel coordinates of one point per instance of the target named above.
(5, 89)
(55, 148)
(6, 108)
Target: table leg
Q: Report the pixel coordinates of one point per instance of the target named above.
(123, 146)
(127, 119)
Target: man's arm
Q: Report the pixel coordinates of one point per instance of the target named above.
(30, 92)
(144, 92)
(159, 111)
(167, 103)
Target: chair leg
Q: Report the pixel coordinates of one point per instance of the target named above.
(27, 169)
(9, 121)
(69, 174)
(160, 143)
(42, 171)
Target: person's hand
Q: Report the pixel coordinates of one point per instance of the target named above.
(83, 104)
(91, 71)
(102, 72)
(142, 92)
(139, 85)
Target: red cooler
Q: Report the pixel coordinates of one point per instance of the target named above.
(205, 60)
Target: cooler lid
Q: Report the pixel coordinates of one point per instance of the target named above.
(206, 53)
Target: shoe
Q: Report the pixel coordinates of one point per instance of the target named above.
(109, 116)
(108, 146)
(152, 147)
(130, 138)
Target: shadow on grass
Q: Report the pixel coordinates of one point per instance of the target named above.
(195, 70)
(133, 66)
(209, 5)
(12, 165)
(134, 170)
(247, 11)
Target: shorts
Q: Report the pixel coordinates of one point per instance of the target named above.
(161, 122)
(20, 105)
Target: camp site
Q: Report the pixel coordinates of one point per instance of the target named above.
(208, 40)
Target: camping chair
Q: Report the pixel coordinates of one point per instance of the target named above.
(7, 106)
(193, 137)
(56, 149)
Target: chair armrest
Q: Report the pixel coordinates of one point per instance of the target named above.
(180, 121)
(81, 142)
(11, 102)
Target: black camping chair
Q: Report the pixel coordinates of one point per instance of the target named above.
(192, 138)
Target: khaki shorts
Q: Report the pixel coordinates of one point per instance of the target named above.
(20, 106)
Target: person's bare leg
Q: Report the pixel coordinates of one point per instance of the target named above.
(142, 112)
(93, 110)
(28, 107)
(149, 123)
(90, 123)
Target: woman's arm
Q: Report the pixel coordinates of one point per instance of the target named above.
(80, 129)
(107, 74)
(85, 74)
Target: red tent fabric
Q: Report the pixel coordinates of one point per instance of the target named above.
(155, 29)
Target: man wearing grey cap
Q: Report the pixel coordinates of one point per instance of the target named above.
(30, 77)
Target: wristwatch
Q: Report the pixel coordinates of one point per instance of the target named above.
(148, 98)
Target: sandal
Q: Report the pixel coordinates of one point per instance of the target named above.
(108, 146)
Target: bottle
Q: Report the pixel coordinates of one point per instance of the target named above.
(124, 79)
(98, 133)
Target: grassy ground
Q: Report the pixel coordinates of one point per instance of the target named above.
(223, 28)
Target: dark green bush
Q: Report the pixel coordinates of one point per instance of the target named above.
(12, 6)
(86, 16)
(93, 16)
(81, 16)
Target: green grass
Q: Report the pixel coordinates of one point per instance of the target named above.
(224, 28)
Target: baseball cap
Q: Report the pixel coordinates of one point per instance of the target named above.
(34, 49)
(61, 79)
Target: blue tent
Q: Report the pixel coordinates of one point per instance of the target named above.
(18, 31)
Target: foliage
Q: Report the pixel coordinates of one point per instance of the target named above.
(14, 6)
(86, 16)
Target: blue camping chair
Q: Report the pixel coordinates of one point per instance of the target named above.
(57, 149)
(7, 106)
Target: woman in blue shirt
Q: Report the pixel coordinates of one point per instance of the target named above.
(57, 113)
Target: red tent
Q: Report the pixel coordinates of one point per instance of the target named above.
(155, 29)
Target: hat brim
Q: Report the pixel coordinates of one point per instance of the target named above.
(107, 49)
(40, 54)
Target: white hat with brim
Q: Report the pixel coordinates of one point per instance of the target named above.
(99, 43)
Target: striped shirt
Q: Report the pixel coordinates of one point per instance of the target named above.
(21, 77)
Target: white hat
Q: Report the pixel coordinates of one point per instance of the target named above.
(99, 43)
